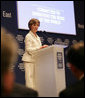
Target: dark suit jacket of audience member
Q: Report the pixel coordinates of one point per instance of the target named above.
(22, 91)
(76, 90)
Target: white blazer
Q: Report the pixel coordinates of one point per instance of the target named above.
(32, 43)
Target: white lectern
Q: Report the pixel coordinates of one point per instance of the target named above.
(49, 71)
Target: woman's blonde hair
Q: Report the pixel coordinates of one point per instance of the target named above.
(33, 21)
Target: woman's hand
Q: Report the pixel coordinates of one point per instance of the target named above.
(44, 46)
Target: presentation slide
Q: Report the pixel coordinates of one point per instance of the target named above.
(54, 16)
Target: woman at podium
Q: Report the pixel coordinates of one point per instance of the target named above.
(32, 43)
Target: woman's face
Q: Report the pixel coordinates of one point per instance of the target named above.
(34, 27)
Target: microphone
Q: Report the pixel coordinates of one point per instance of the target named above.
(43, 33)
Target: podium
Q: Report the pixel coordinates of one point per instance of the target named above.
(49, 71)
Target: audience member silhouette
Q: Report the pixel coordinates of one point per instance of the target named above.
(9, 49)
(75, 60)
